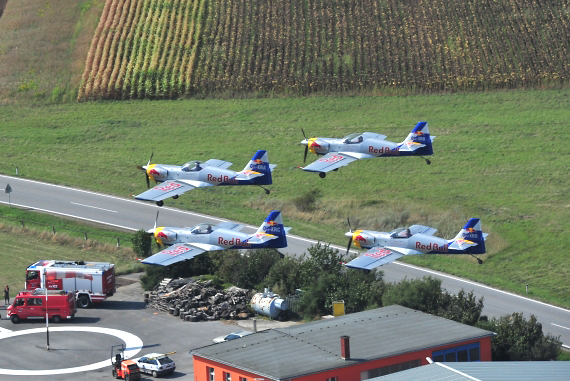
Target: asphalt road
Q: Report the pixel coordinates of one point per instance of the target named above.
(133, 215)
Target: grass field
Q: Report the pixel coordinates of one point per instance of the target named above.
(498, 156)
(43, 46)
(24, 246)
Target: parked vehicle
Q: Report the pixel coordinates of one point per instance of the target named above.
(156, 364)
(32, 304)
(232, 336)
(127, 370)
(92, 282)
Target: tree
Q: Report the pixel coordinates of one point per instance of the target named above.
(426, 295)
(519, 339)
(141, 243)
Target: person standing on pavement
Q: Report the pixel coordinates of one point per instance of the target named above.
(6, 295)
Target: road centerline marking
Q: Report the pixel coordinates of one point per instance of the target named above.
(561, 326)
(94, 207)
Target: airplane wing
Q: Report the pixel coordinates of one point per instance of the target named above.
(168, 189)
(377, 256)
(329, 162)
(216, 163)
(230, 226)
(173, 254)
(415, 229)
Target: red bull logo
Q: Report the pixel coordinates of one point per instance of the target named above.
(359, 238)
(272, 223)
(384, 150)
(419, 133)
(432, 247)
(221, 179)
(153, 172)
(258, 161)
(470, 230)
(233, 242)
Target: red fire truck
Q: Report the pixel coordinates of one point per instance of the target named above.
(32, 304)
(92, 282)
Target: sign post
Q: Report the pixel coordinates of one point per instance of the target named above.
(47, 317)
(8, 190)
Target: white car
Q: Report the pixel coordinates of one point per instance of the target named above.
(157, 364)
(232, 336)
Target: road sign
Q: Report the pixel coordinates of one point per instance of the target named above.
(8, 188)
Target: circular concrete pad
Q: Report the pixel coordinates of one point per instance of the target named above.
(72, 349)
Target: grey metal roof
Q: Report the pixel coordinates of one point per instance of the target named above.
(315, 347)
(485, 371)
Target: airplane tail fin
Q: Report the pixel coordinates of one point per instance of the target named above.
(470, 239)
(260, 163)
(419, 140)
(271, 227)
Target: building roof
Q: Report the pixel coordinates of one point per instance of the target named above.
(485, 371)
(315, 347)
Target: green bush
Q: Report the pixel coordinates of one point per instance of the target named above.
(519, 339)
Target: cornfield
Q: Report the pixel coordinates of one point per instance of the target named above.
(168, 49)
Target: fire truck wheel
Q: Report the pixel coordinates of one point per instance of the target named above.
(57, 319)
(127, 377)
(83, 302)
(114, 373)
(15, 319)
(154, 374)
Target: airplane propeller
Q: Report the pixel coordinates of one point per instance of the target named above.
(145, 172)
(306, 147)
(350, 239)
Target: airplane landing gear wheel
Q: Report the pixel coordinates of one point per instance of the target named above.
(366, 271)
(160, 203)
(267, 191)
(175, 197)
(479, 261)
(428, 162)
(322, 175)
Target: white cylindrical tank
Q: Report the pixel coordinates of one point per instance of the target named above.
(268, 304)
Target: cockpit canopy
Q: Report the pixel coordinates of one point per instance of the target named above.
(192, 166)
(400, 233)
(353, 139)
(202, 229)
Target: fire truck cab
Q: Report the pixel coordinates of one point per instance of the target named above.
(33, 304)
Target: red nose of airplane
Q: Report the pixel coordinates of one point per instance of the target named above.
(161, 234)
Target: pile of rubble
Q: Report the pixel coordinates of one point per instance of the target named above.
(198, 300)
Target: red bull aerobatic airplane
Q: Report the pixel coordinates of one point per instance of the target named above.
(340, 152)
(186, 243)
(417, 239)
(175, 180)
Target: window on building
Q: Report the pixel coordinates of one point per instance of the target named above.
(464, 353)
(377, 372)
(227, 376)
(332, 379)
(242, 379)
(211, 374)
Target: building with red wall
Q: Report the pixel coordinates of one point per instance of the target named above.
(353, 347)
